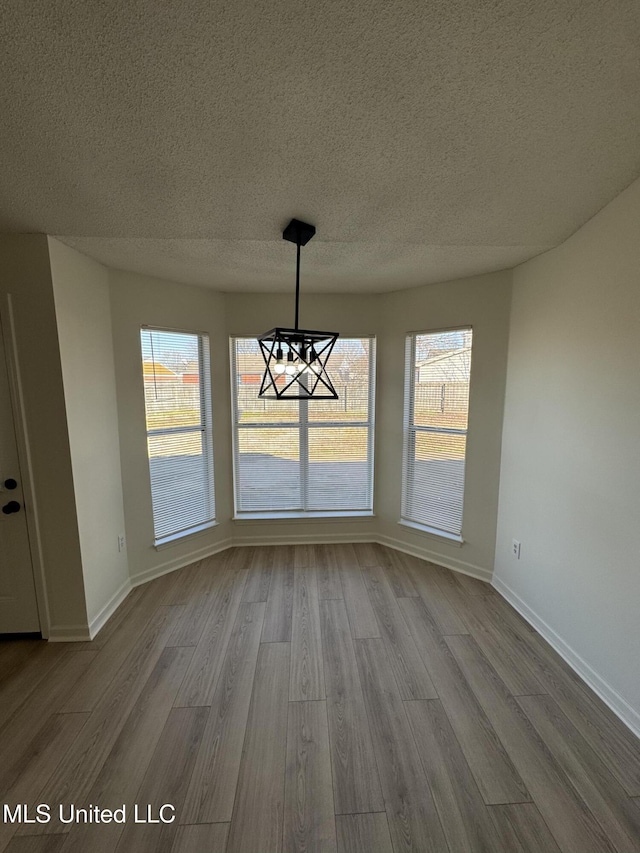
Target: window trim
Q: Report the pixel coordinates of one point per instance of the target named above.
(285, 516)
(410, 430)
(433, 532)
(300, 514)
(174, 538)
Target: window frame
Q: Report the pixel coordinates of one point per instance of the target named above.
(410, 430)
(205, 428)
(303, 424)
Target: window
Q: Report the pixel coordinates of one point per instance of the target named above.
(301, 456)
(437, 371)
(177, 395)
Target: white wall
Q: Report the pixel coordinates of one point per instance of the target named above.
(483, 303)
(570, 485)
(137, 300)
(81, 292)
(53, 528)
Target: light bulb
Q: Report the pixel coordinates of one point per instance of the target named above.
(279, 367)
(290, 369)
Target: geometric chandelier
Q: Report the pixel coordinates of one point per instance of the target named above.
(296, 359)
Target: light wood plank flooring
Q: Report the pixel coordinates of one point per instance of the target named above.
(338, 699)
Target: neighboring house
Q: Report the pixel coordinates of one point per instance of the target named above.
(250, 368)
(191, 373)
(161, 383)
(153, 371)
(443, 368)
(443, 381)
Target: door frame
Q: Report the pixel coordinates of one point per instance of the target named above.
(16, 391)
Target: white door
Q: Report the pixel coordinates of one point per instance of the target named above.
(18, 606)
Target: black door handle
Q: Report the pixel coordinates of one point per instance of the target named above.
(10, 483)
(12, 506)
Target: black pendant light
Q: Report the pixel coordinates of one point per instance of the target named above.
(296, 359)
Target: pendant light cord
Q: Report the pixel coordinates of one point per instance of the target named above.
(297, 280)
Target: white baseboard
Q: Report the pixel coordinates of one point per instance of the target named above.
(433, 557)
(110, 608)
(620, 707)
(303, 539)
(307, 539)
(79, 633)
(69, 633)
(179, 562)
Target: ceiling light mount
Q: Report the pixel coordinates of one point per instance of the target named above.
(299, 232)
(296, 359)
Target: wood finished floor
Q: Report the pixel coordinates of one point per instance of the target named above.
(315, 698)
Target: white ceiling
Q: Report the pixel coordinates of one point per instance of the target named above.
(426, 141)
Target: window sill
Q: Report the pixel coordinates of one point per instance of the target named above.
(284, 517)
(168, 541)
(433, 532)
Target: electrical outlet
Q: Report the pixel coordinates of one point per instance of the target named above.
(121, 542)
(515, 549)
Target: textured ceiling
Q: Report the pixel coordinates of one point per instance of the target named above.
(425, 141)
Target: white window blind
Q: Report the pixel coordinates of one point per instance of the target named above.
(177, 394)
(437, 373)
(304, 456)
